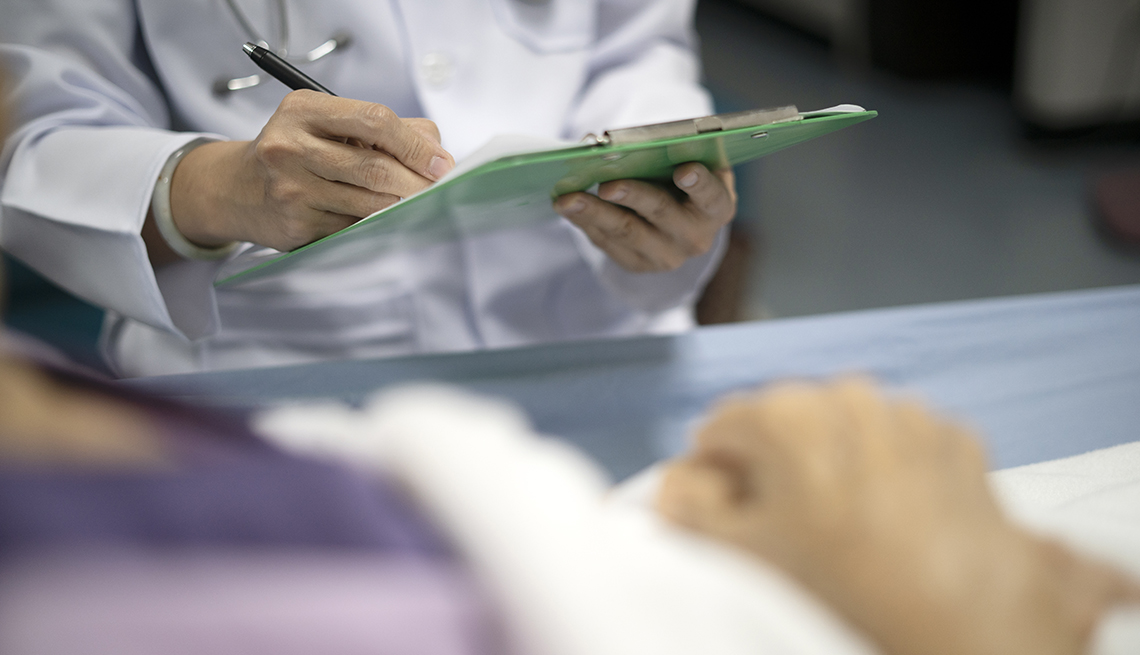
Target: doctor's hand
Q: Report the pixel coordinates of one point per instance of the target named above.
(320, 164)
(646, 227)
(882, 509)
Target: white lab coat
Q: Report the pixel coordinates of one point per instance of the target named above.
(105, 90)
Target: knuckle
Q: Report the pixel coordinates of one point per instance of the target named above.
(617, 189)
(419, 150)
(621, 229)
(374, 173)
(273, 149)
(300, 102)
(293, 101)
(659, 206)
(424, 126)
(379, 116)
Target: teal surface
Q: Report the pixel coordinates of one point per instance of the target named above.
(504, 193)
(38, 308)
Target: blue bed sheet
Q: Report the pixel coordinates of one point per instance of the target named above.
(1041, 377)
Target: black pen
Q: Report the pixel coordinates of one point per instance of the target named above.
(282, 70)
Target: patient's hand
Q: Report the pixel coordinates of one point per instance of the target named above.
(45, 422)
(883, 510)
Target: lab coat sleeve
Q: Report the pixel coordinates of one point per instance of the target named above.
(644, 69)
(90, 134)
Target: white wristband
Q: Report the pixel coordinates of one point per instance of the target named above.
(164, 219)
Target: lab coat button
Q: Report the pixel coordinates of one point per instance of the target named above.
(436, 69)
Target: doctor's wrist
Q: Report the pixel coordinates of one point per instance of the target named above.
(161, 214)
(204, 193)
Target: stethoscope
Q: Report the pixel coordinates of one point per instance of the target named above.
(335, 43)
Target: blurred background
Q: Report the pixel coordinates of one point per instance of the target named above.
(998, 121)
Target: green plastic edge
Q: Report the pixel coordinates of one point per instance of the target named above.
(526, 159)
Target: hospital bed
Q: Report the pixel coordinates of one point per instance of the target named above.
(1041, 377)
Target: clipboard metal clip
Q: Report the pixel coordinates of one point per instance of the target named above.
(694, 126)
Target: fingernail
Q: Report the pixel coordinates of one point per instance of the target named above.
(616, 195)
(687, 181)
(439, 167)
(574, 207)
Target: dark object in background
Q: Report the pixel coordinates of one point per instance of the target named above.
(944, 39)
(1076, 71)
(724, 296)
(1117, 198)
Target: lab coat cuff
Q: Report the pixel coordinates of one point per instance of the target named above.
(74, 204)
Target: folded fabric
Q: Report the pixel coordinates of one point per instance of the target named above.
(577, 569)
(572, 571)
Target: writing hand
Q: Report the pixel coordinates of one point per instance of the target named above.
(646, 227)
(320, 164)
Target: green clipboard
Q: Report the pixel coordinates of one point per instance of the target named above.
(517, 189)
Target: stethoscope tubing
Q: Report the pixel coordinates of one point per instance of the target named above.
(335, 43)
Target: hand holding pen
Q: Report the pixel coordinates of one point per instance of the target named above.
(303, 178)
(299, 180)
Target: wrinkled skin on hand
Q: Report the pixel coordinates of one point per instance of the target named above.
(882, 509)
(320, 164)
(647, 227)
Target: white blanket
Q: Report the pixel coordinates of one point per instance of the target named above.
(579, 570)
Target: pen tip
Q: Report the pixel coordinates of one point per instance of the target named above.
(249, 48)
